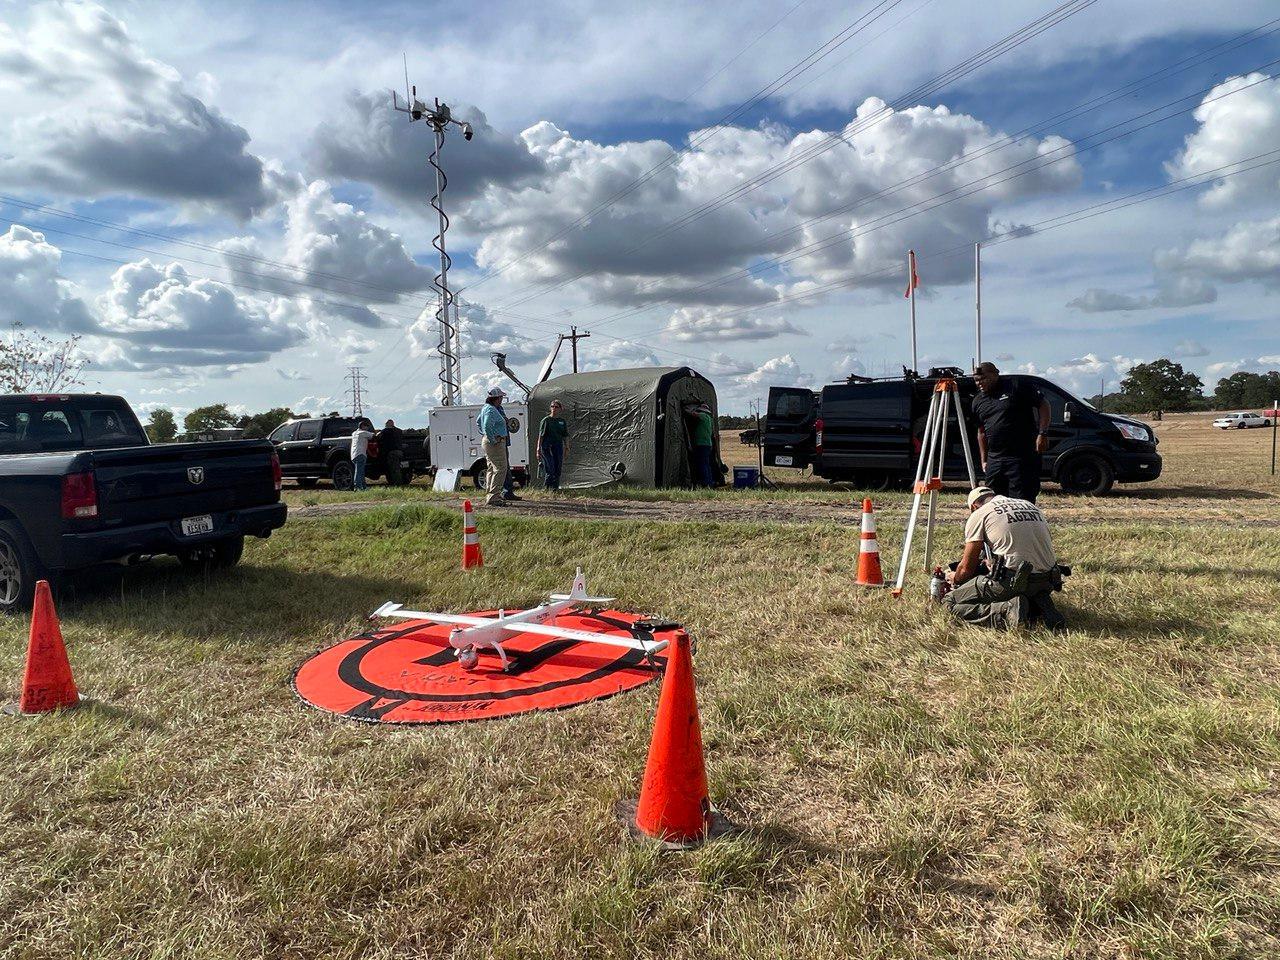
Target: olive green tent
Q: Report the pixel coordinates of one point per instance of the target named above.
(625, 425)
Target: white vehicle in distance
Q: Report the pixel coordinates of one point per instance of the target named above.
(1239, 421)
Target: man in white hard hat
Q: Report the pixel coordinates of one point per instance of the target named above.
(493, 425)
(1018, 587)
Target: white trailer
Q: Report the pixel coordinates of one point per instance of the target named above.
(456, 436)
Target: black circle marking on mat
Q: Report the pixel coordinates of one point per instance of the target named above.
(349, 670)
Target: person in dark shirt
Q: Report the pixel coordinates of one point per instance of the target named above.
(553, 445)
(391, 448)
(1013, 431)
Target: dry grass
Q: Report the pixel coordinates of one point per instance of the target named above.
(907, 787)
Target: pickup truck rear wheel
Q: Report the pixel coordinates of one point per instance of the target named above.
(19, 569)
(343, 475)
(211, 556)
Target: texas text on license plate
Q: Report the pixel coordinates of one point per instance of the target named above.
(192, 526)
(782, 461)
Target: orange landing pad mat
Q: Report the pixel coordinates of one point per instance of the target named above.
(407, 672)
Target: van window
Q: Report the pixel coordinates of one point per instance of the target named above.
(308, 430)
(867, 401)
(790, 404)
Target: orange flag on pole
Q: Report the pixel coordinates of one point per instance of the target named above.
(913, 278)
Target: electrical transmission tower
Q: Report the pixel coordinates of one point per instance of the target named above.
(449, 347)
(356, 393)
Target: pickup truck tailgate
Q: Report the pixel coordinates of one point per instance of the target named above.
(170, 481)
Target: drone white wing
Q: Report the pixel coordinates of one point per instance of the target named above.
(586, 636)
(570, 596)
(396, 610)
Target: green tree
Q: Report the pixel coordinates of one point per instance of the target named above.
(212, 417)
(162, 427)
(259, 425)
(1245, 390)
(1162, 385)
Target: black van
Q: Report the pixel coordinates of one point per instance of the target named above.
(868, 432)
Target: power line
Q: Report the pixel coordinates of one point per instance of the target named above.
(796, 70)
(1014, 40)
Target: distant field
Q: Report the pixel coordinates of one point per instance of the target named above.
(907, 788)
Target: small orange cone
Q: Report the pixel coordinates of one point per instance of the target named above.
(869, 572)
(674, 806)
(47, 684)
(471, 556)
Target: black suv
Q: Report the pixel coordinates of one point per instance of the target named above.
(318, 447)
(868, 432)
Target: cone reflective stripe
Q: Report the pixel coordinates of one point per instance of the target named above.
(47, 683)
(471, 556)
(869, 572)
(674, 805)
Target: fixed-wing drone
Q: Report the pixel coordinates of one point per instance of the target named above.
(471, 634)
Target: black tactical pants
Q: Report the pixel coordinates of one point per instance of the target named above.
(1014, 477)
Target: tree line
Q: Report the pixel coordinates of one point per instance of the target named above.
(1164, 385)
(162, 427)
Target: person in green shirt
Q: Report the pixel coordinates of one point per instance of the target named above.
(703, 447)
(553, 445)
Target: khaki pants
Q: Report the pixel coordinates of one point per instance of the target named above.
(495, 455)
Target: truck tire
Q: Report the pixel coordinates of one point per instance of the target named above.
(1087, 474)
(19, 569)
(213, 556)
(343, 475)
(478, 473)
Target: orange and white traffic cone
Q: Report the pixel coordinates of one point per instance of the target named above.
(471, 556)
(47, 683)
(869, 572)
(674, 806)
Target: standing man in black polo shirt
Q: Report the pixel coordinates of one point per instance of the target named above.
(1013, 431)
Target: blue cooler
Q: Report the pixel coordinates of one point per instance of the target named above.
(745, 477)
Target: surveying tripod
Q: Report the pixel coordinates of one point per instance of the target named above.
(933, 454)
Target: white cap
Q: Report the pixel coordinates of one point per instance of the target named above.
(496, 392)
(977, 493)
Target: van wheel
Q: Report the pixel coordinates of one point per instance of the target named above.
(19, 570)
(1088, 475)
(343, 475)
(874, 480)
(478, 473)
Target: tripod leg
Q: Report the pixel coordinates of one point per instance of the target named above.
(931, 516)
(964, 441)
(922, 469)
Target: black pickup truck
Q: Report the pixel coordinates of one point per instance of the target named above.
(314, 448)
(80, 485)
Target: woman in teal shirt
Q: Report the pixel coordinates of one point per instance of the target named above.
(553, 444)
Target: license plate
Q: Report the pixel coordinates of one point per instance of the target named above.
(782, 461)
(194, 526)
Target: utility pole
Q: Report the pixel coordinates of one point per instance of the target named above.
(977, 303)
(356, 392)
(439, 118)
(573, 338)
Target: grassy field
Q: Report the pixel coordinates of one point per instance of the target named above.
(906, 787)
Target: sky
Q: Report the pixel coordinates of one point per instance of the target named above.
(221, 203)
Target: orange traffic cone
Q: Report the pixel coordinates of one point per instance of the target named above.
(47, 684)
(471, 556)
(674, 806)
(869, 573)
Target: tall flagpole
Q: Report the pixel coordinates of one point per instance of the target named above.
(911, 292)
(977, 303)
